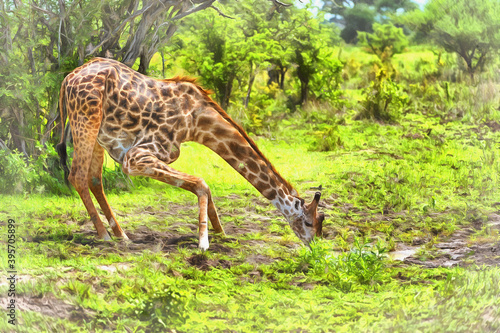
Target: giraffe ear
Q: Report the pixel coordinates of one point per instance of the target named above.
(319, 224)
(314, 203)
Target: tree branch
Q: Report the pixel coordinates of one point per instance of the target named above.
(221, 13)
(280, 4)
(43, 10)
(194, 10)
(120, 27)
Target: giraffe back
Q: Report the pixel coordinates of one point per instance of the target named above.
(136, 109)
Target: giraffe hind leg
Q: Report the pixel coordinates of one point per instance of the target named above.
(141, 162)
(84, 139)
(95, 185)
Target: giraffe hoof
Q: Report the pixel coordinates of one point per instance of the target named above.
(125, 238)
(203, 245)
(106, 237)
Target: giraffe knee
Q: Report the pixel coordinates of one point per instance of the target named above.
(202, 188)
(135, 164)
(73, 180)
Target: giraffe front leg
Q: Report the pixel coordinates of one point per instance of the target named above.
(140, 161)
(214, 217)
(202, 226)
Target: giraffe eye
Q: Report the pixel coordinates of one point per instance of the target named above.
(308, 224)
(297, 205)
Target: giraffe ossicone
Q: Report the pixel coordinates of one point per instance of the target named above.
(141, 122)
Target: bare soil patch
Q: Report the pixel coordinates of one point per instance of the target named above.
(457, 250)
(50, 307)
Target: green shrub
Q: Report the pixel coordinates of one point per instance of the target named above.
(43, 174)
(40, 174)
(159, 305)
(327, 138)
(361, 267)
(13, 172)
(384, 99)
(267, 101)
(385, 41)
(114, 180)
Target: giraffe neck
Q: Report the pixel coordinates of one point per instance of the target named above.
(262, 175)
(216, 130)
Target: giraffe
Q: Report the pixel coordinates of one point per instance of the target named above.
(141, 123)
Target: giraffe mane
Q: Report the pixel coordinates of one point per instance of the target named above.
(194, 81)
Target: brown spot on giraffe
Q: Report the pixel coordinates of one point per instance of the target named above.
(142, 122)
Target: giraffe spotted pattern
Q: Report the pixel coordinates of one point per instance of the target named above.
(142, 122)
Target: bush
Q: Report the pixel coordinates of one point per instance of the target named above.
(326, 139)
(267, 101)
(385, 41)
(384, 99)
(160, 306)
(43, 174)
(361, 267)
(13, 172)
(38, 175)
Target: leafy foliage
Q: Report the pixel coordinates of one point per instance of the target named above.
(327, 138)
(40, 175)
(468, 28)
(385, 41)
(358, 268)
(384, 99)
(160, 306)
(359, 15)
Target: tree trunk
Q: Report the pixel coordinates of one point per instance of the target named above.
(253, 74)
(304, 90)
(282, 78)
(303, 75)
(227, 92)
(17, 138)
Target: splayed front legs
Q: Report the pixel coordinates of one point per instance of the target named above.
(141, 162)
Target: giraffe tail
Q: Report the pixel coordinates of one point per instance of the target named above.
(61, 146)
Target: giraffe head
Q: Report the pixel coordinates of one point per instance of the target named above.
(307, 222)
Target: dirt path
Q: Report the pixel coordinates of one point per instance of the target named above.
(459, 250)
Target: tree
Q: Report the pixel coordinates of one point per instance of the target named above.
(312, 42)
(42, 40)
(359, 15)
(128, 29)
(385, 41)
(357, 18)
(469, 28)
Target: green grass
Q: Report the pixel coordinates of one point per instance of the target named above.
(385, 186)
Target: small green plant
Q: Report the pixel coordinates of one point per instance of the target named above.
(326, 139)
(384, 100)
(160, 306)
(13, 171)
(364, 262)
(114, 180)
(360, 267)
